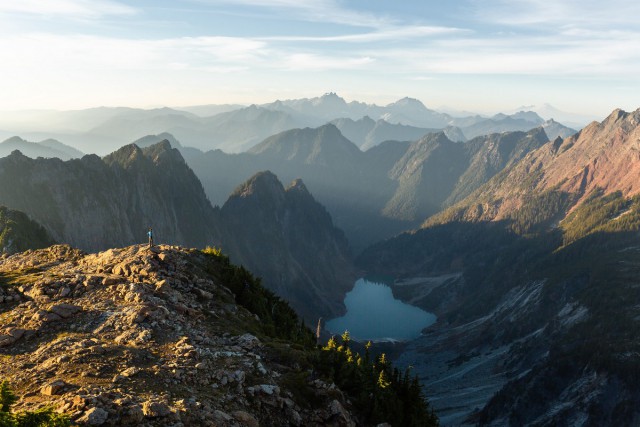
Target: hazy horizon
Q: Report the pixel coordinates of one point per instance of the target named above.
(581, 57)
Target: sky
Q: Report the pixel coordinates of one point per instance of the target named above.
(581, 56)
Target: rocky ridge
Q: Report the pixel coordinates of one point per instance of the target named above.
(284, 233)
(601, 157)
(153, 337)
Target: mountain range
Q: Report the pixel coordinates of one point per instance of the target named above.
(235, 129)
(533, 278)
(523, 243)
(95, 204)
(373, 194)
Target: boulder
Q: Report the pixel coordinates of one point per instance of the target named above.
(131, 415)
(163, 287)
(155, 409)
(246, 419)
(65, 310)
(248, 341)
(94, 417)
(6, 340)
(338, 413)
(45, 316)
(53, 388)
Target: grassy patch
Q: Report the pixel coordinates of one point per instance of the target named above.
(20, 277)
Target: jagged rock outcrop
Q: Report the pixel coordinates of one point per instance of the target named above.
(139, 336)
(95, 203)
(289, 239)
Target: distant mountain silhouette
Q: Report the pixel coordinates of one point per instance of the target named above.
(366, 132)
(235, 129)
(48, 148)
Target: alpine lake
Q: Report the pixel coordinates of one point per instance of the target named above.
(374, 314)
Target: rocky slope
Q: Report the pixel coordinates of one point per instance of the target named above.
(288, 238)
(426, 175)
(490, 154)
(534, 280)
(435, 172)
(602, 156)
(530, 331)
(159, 337)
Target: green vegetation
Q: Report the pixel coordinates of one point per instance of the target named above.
(539, 212)
(44, 417)
(18, 233)
(587, 267)
(379, 391)
(277, 318)
(598, 213)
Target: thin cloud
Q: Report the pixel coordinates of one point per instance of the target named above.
(307, 61)
(30, 52)
(67, 8)
(325, 11)
(566, 13)
(398, 34)
(549, 55)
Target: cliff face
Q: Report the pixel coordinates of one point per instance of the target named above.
(133, 336)
(97, 203)
(288, 238)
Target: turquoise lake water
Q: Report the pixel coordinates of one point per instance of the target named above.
(374, 314)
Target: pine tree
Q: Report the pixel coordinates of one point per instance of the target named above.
(7, 396)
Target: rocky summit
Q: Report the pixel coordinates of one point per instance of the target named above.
(154, 337)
